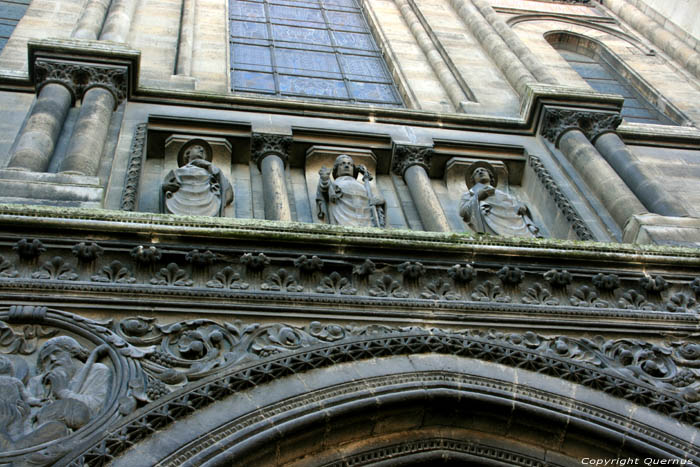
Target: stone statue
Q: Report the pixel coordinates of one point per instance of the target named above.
(343, 200)
(489, 210)
(197, 187)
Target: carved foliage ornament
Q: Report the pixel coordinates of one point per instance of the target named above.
(407, 156)
(265, 144)
(593, 124)
(237, 356)
(78, 77)
(66, 378)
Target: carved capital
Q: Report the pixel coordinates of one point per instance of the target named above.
(79, 77)
(266, 144)
(556, 122)
(407, 156)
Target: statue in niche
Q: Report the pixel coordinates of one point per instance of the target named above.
(197, 187)
(343, 200)
(489, 210)
(70, 388)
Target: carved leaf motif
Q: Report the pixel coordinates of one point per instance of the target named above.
(7, 269)
(510, 275)
(463, 274)
(335, 283)
(557, 278)
(24, 343)
(439, 289)
(586, 296)
(280, 281)
(655, 284)
(172, 275)
(364, 269)
(386, 286)
(308, 264)
(606, 281)
(56, 268)
(255, 263)
(146, 254)
(411, 270)
(633, 300)
(115, 272)
(487, 291)
(227, 278)
(681, 303)
(201, 258)
(27, 249)
(87, 252)
(695, 285)
(538, 295)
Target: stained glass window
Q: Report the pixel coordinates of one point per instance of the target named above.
(11, 11)
(311, 49)
(601, 77)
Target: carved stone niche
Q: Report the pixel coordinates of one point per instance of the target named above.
(221, 153)
(62, 378)
(320, 156)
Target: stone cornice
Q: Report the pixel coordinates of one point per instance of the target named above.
(557, 121)
(65, 220)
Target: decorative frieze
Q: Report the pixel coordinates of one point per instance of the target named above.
(171, 370)
(212, 272)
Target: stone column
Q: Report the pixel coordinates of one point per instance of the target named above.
(509, 64)
(91, 20)
(90, 132)
(118, 23)
(663, 39)
(39, 135)
(186, 39)
(534, 64)
(442, 70)
(649, 191)
(565, 128)
(412, 163)
(271, 152)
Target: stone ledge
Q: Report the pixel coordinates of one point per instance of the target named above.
(661, 230)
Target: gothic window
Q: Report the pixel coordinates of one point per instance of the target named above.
(309, 49)
(599, 69)
(11, 11)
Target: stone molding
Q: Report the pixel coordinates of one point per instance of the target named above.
(406, 156)
(376, 280)
(557, 121)
(265, 144)
(79, 77)
(233, 357)
(562, 202)
(133, 170)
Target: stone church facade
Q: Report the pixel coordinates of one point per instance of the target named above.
(349, 232)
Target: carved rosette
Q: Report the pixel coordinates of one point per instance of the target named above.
(407, 156)
(266, 144)
(556, 122)
(79, 77)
